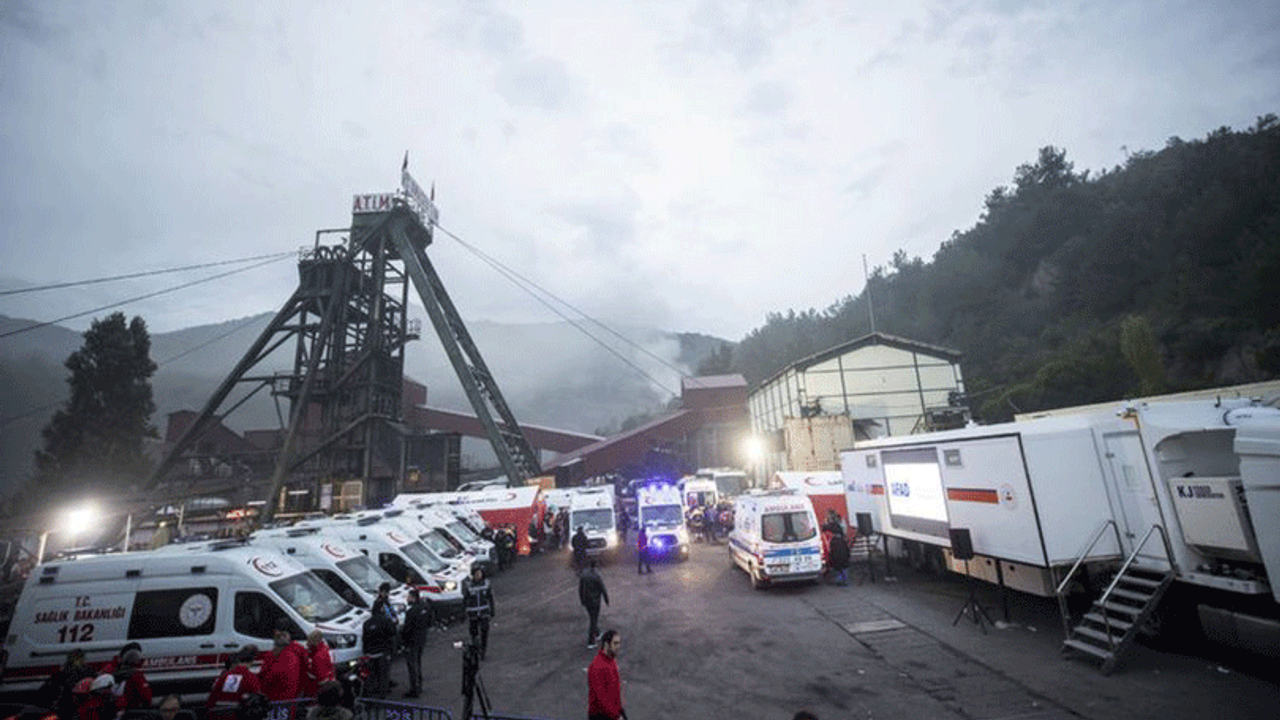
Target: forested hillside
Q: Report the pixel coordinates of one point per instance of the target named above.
(1073, 287)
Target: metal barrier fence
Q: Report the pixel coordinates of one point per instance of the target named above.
(371, 709)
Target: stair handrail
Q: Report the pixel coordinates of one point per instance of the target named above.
(1061, 589)
(1106, 594)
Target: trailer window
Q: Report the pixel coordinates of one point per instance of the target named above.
(174, 613)
(257, 614)
(787, 527)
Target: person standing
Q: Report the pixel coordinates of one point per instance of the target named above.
(623, 523)
(642, 551)
(131, 689)
(233, 685)
(319, 664)
(604, 684)
(579, 544)
(283, 666)
(477, 598)
(590, 592)
(379, 640)
(413, 636)
(838, 555)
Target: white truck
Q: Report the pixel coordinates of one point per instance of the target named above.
(1178, 495)
(659, 512)
(592, 510)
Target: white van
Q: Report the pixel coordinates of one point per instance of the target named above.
(400, 554)
(659, 512)
(775, 538)
(699, 492)
(438, 518)
(592, 510)
(349, 572)
(189, 607)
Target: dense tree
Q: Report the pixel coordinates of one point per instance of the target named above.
(98, 437)
(1074, 288)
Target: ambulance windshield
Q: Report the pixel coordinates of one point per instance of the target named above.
(365, 573)
(786, 527)
(661, 515)
(423, 558)
(593, 519)
(462, 532)
(310, 597)
(440, 544)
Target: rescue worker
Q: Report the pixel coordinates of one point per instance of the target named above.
(623, 523)
(838, 552)
(604, 684)
(413, 638)
(477, 598)
(233, 685)
(379, 643)
(591, 591)
(100, 703)
(283, 666)
(131, 689)
(319, 667)
(580, 548)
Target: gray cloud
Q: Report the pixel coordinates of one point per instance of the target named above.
(766, 98)
(609, 223)
(868, 181)
(743, 31)
(542, 83)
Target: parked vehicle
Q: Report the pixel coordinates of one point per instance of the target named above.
(775, 538)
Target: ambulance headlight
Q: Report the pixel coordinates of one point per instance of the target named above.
(682, 535)
(399, 608)
(341, 640)
(450, 585)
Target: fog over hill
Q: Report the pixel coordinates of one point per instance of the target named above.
(551, 374)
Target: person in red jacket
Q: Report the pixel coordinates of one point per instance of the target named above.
(319, 665)
(604, 684)
(131, 689)
(100, 703)
(233, 685)
(283, 667)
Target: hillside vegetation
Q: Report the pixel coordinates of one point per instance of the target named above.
(1072, 288)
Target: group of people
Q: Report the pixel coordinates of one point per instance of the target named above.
(709, 522)
(78, 692)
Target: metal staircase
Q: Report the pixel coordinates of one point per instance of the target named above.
(1118, 615)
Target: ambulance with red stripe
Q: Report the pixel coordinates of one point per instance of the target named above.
(190, 608)
(775, 538)
(349, 572)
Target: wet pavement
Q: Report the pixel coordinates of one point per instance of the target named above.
(698, 642)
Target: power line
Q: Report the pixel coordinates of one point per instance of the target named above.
(130, 276)
(146, 296)
(525, 283)
(513, 275)
(159, 364)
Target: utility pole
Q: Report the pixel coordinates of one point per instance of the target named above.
(871, 306)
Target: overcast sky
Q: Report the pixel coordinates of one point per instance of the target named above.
(689, 165)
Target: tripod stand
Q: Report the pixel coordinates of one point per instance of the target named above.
(473, 691)
(971, 607)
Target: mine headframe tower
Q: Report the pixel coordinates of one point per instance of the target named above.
(348, 324)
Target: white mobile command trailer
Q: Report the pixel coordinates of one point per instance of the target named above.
(190, 607)
(1126, 504)
(592, 510)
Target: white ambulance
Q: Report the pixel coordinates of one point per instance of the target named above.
(659, 512)
(455, 531)
(396, 550)
(775, 538)
(592, 510)
(190, 608)
(349, 572)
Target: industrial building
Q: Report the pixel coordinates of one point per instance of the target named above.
(873, 386)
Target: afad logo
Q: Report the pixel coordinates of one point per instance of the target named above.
(267, 567)
(335, 552)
